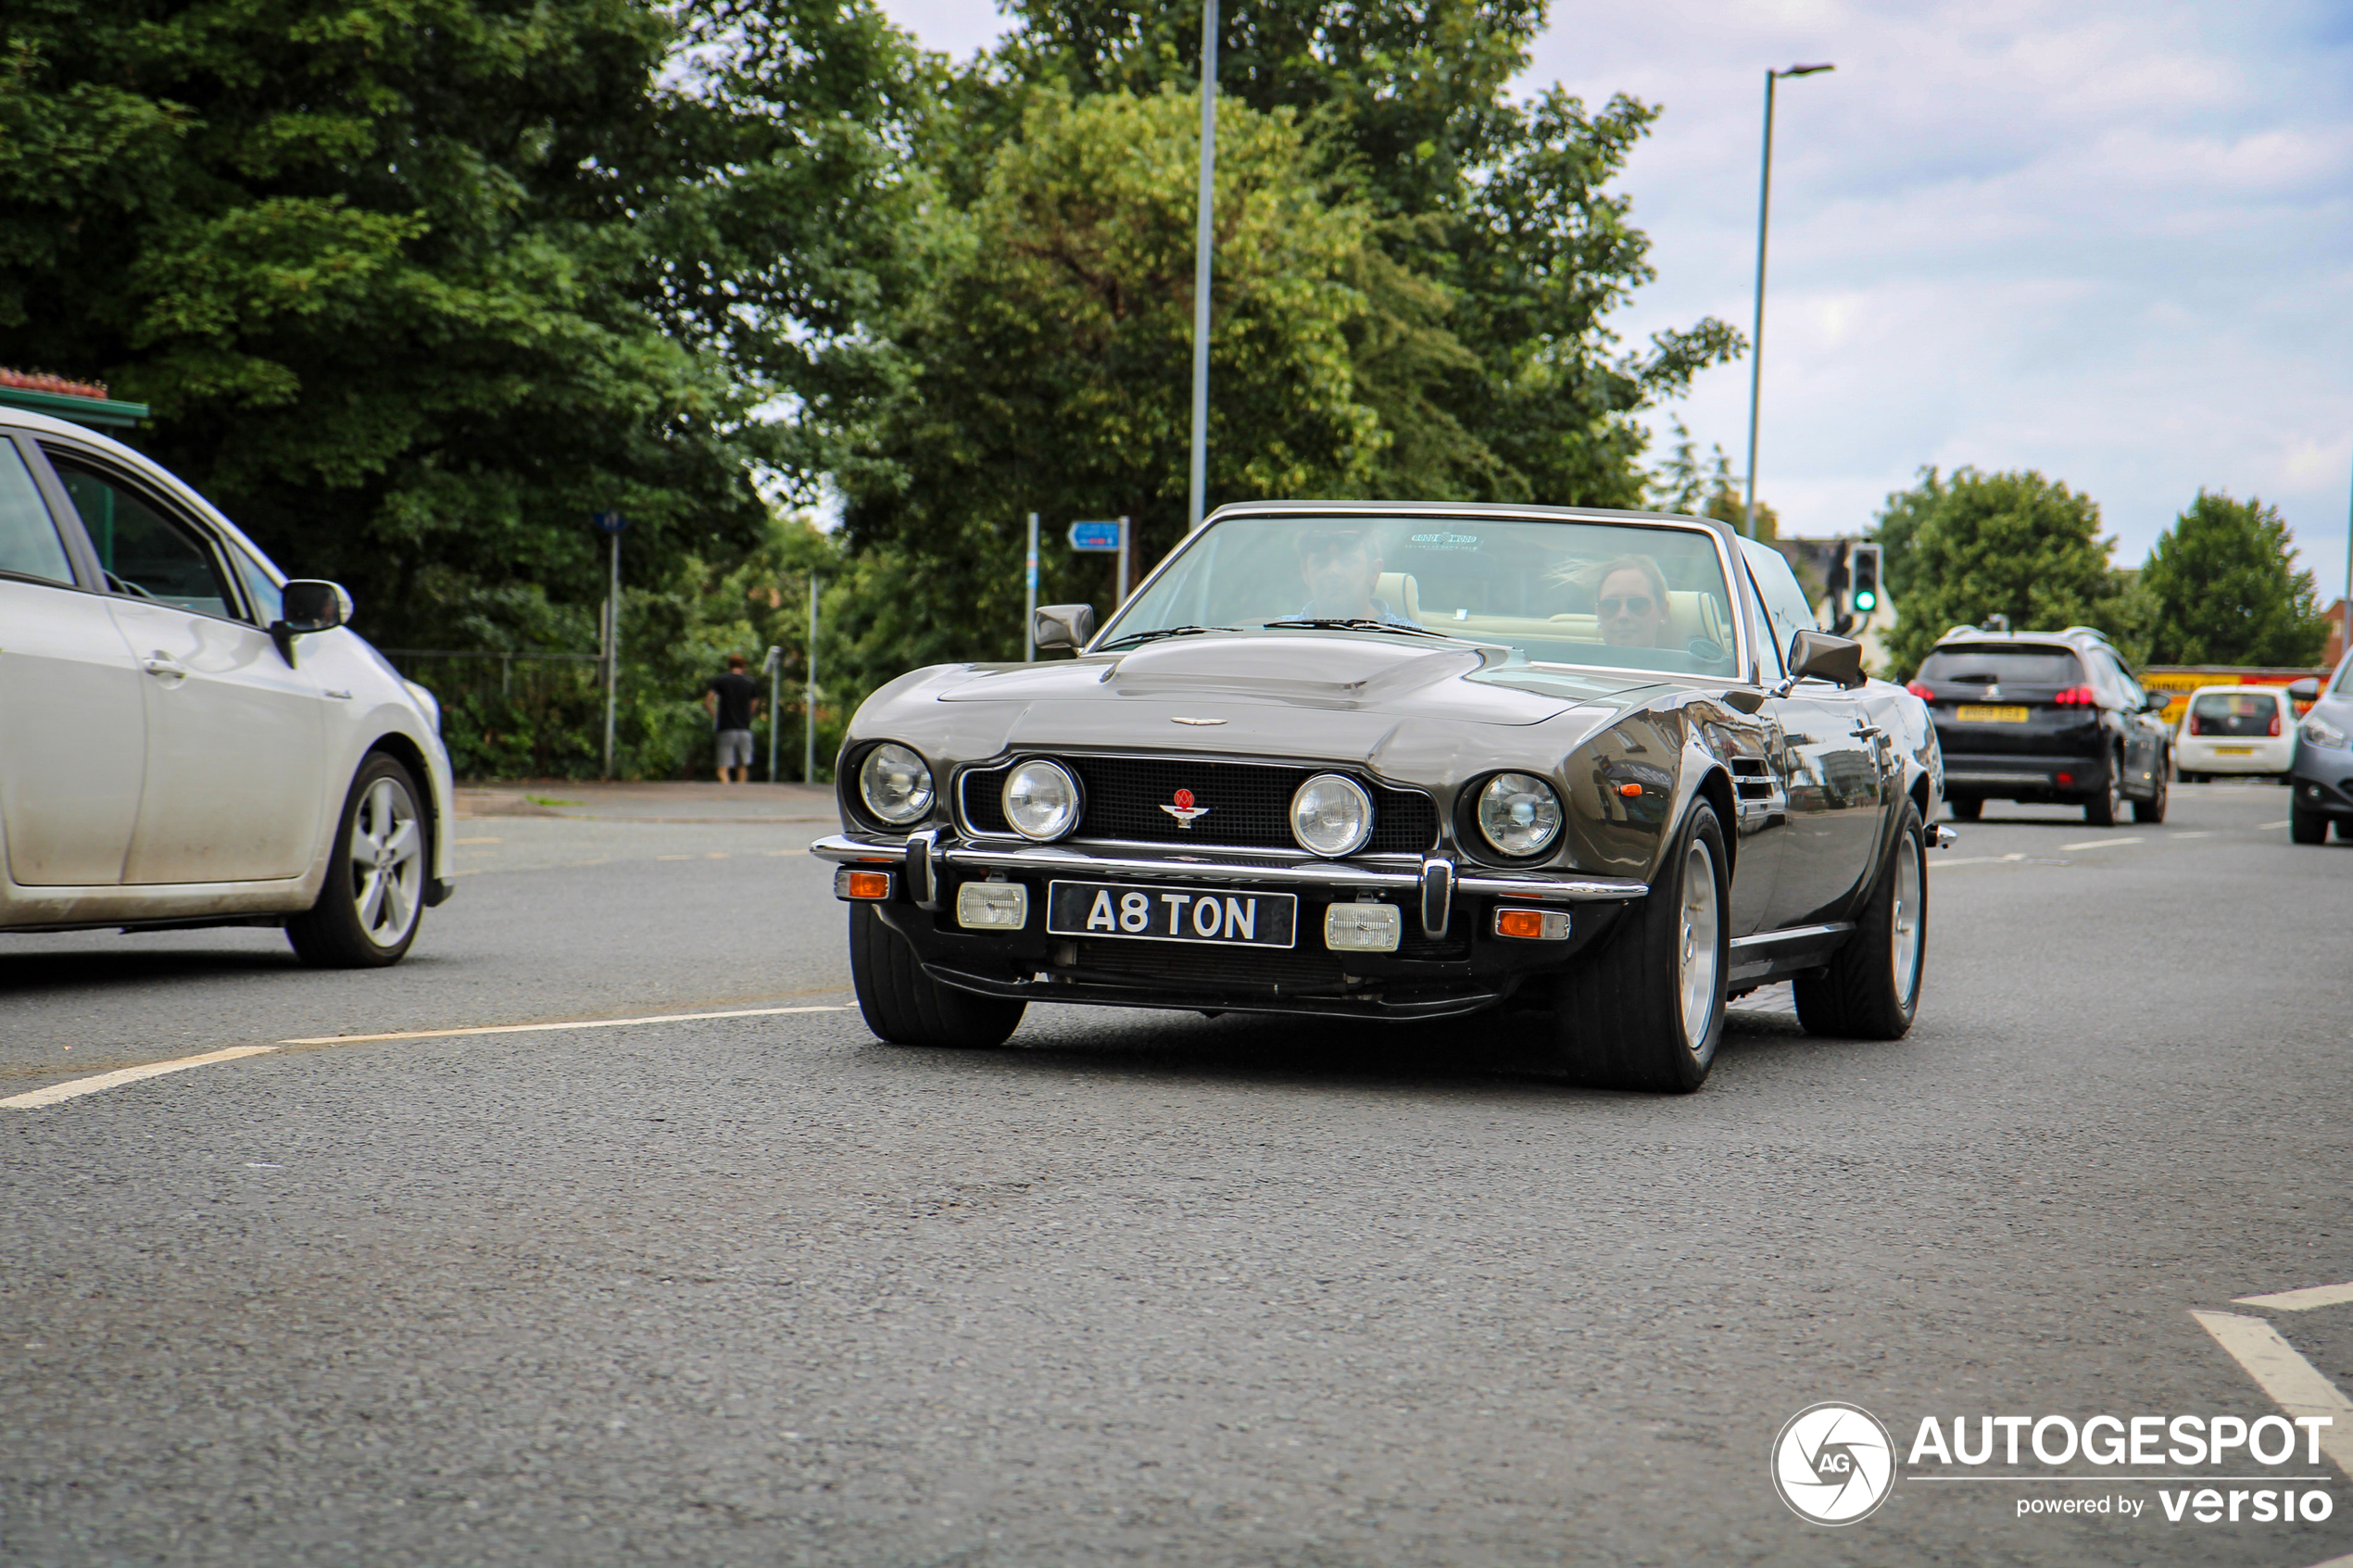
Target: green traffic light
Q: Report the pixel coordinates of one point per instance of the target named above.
(1866, 600)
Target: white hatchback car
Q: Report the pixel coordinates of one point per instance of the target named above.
(188, 739)
(2236, 730)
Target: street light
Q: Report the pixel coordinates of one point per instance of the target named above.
(1197, 484)
(1756, 340)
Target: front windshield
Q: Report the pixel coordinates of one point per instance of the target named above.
(1623, 595)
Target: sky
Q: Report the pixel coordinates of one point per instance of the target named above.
(2111, 240)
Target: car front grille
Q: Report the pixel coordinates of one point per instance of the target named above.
(1223, 968)
(1248, 804)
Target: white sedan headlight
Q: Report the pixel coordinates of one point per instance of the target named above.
(895, 785)
(428, 702)
(1518, 814)
(1331, 815)
(2320, 732)
(1041, 800)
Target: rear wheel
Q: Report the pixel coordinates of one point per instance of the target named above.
(2153, 808)
(1966, 808)
(1647, 1011)
(906, 1007)
(2103, 809)
(2345, 830)
(2188, 777)
(1871, 990)
(2306, 827)
(374, 896)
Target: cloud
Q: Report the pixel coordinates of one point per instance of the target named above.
(2109, 239)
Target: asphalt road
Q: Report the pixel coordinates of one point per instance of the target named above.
(1146, 1288)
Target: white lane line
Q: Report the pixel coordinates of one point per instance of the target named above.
(2189, 835)
(539, 1028)
(2335, 1562)
(2302, 1301)
(2263, 827)
(2294, 1385)
(77, 1087)
(2103, 844)
(1976, 860)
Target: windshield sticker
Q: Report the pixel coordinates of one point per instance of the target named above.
(1445, 541)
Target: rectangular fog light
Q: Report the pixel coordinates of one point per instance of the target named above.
(992, 906)
(1533, 925)
(1363, 928)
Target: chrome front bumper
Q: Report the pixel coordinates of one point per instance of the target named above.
(1434, 880)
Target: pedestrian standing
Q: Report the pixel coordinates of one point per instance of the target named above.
(733, 702)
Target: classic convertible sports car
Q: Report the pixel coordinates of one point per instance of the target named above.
(1399, 761)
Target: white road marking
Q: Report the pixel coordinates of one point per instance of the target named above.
(2302, 1301)
(77, 1087)
(2294, 1383)
(537, 1028)
(477, 841)
(2261, 827)
(2335, 1562)
(1976, 860)
(2189, 835)
(2103, 844)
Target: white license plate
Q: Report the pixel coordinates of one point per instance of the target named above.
(1222, 916)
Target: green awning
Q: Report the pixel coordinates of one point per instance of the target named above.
(99, 413)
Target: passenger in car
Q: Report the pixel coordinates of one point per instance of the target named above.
(1632, 603)
(1340, 567)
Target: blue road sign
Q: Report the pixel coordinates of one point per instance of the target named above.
(609, 522)
(1095, 535)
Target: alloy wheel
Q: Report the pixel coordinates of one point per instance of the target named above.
(1905, 931)
(1698, 986)
(387, 863)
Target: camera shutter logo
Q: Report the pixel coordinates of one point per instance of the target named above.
(1833, 1463)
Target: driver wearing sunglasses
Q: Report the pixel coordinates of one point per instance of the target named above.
(1632, 603)
(1341, 568)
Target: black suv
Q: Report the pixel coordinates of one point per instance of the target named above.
(2044, 717)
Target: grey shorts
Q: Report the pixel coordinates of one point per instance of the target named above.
(734, 749)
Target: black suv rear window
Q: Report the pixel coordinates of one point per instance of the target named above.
(2004, 662)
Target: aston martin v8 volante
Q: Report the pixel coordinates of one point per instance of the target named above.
(1400, 762)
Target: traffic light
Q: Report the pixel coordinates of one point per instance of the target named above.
(1862, 570)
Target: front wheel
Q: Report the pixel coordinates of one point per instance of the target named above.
(1871, 990)
(369, 909)
(1647, 1011)
(2306, 827)
(906, 1007)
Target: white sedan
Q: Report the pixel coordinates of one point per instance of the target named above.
(2234, 731)
(190, 739)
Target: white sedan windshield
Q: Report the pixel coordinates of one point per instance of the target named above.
(1615, 595)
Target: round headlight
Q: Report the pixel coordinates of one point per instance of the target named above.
(1331, 815)
(1518, 814)
(1041, 800)
(895, 784)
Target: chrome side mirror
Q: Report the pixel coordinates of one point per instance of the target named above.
(1064, 626)
(1819, 656)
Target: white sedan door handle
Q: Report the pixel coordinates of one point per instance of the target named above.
(163, 665)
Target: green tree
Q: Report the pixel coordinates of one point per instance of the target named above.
(1055, 352)
(414, 286)
(2223, 588)
(1683, 482)
(1977, 545)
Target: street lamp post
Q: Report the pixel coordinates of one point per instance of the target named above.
(1757, 338)
(1197, 486)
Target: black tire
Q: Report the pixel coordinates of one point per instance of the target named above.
(905, 1007)
(372, 903)
(1621, 1016)
(1871, 990)
(2103, 809)
(2306, 827)
(2345, 830)
(2153, 808)
(1966, 808)
(2188, 777)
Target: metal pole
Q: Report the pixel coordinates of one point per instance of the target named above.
(1123, 565)
(1029, 613)
(1197, 488)
(2346, 646)
(612, 652)
(1757, 338)
(775, 713)
(809, 728)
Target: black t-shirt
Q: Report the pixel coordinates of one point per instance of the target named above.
(735, 695)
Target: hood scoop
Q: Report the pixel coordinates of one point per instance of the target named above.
(1319, 671)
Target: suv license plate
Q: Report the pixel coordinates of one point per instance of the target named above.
(1227, 916)
(1970, 713)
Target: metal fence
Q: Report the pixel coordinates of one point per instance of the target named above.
(514, 715)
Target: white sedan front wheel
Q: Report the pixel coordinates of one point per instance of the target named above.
(369, 909)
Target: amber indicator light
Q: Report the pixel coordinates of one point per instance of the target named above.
(867, 884)
(1630, 790)
(1520, 923)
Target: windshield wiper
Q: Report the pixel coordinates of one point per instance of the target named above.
(1361, 623)
(1157, 633)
